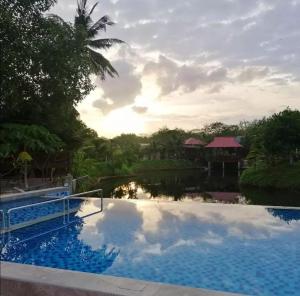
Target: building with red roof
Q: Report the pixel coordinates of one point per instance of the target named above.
(194, 149)
(224, 150)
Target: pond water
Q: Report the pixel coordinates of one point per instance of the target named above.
(194, 185)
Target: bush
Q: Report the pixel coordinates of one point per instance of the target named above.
(282, 176)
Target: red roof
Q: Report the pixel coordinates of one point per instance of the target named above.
(194, 142)
(224, 142)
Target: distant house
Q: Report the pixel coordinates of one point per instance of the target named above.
(224, 150)
(194, 149)
(193, 143)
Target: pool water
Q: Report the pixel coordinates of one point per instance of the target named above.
(245, 249)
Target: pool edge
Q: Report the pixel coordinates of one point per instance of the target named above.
(20, 279)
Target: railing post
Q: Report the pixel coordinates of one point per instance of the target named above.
(8, 219)
(3, 219)
(68, 207)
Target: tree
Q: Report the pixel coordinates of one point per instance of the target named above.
(19, 143)
(86, 33)
(168, 142)
(130, 147)
(47, 65)
(44, 71)
(282, 134)
(217, 129)
(16, 138)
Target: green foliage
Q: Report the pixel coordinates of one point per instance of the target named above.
(127, 147)
(15, 138)
(282, 133)
(83, 165)
(168, 143)
(274, 139)
(217, 129)
(281, 176)
(166, 164)
(47, 66)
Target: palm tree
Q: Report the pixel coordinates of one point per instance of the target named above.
(88, 30)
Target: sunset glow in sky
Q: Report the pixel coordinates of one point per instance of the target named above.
(189, 63)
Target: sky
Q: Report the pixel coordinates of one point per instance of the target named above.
(189, 63)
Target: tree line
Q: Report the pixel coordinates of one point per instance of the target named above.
(46, 69)
(268, 141)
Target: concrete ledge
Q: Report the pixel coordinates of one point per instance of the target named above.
(28, 280)
(15, 196)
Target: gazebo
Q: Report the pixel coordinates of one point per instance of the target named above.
(224, 150)
(193, 149)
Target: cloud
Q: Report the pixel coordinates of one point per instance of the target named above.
(215, 89)
(200, 54)
(255, 32)
(121, 91)
(186, 78)
(140, 109)
(253, 73)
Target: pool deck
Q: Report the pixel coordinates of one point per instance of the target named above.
(28, 280)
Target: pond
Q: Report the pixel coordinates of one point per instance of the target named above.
(194, 185)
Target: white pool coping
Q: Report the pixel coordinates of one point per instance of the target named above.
(27, 280)
(19, 195)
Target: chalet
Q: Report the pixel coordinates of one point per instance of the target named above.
(224, 150)
(193, 149)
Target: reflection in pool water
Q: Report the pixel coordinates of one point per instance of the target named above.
(246, 249)
(193, 184)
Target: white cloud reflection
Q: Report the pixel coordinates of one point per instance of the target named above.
(148, 226)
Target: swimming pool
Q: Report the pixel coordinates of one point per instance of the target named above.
(245, 249)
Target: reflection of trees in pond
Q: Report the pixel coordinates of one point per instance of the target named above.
(174, 190)
(271, 197)
(287, 215)
(179, 184)
(174, 184)
(57, 248)
(128, 190)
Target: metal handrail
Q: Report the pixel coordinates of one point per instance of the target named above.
(53, 201)
(55, 229)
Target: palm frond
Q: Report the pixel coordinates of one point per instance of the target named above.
(94, 6)
(81, 7)
(101, 65)
(104, 43)
(100, 25)
(82, 18)
(83, 23)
